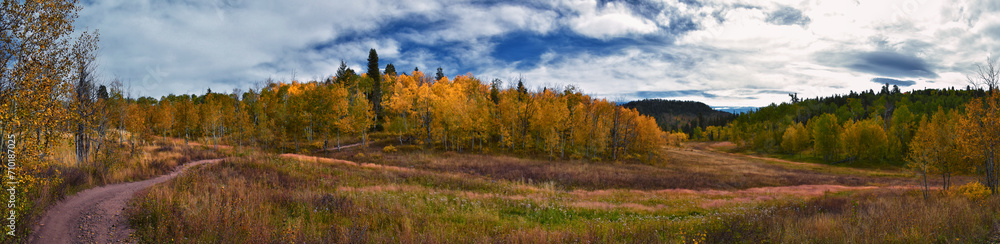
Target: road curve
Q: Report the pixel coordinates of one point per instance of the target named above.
(96, 215)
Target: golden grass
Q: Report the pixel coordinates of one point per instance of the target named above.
(869, 216)
(421, 197)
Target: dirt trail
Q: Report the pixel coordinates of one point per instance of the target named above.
(340, 148)
(96, 215)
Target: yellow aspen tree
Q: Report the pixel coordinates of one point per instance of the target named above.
(649, 138)
(508, 111)
(401, 106)
(550, 121)
(34, 89)
(333, 102)
(600, 122)
(923, 151)
(864, 140)
(423, 106)
(580, 127)
(951, 159)
(795, 139)
(979, 133)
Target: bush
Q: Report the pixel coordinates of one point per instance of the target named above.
(389, 149)
(973, 190)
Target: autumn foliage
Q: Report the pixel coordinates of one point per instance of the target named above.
(456, 114)
(933, 132)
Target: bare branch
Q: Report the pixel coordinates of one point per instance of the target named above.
(986, 75)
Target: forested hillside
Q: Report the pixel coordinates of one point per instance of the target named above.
(943, 132)
(690, 117)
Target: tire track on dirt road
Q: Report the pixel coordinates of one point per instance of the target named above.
(97, 215)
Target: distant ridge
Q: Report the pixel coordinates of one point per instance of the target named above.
(735, 110)
(673, 115)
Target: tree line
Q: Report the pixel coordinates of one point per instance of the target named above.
(933, 131)
(460, 114)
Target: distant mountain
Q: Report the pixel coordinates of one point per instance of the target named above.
(736, 110)
(672, 115)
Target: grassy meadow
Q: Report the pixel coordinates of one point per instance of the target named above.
(370, 195)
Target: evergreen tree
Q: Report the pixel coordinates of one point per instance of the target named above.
(440, 74)
(375, 96)
(495, 91)
(102, 92)
(344, 73)
(390, 70)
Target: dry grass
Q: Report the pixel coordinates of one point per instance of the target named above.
(687, 169)
(870, 216)
(283, 200)
(120, 164)
(420, 197)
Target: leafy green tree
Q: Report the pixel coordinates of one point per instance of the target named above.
(900, 133)
(795, 139)
(864, 140)
(824, 133)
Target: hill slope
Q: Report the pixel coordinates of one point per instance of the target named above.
(673, 115)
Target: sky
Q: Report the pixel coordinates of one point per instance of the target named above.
(720, 52)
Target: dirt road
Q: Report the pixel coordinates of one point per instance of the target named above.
(96, 215)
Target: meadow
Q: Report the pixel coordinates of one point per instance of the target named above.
(697, 195)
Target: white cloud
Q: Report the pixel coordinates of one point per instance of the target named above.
(610, 20)
(188, 46)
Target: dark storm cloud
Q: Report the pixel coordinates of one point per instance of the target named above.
(887, 63)
(881, 63)
(896, 82)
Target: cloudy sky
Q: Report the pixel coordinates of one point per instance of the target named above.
(721, 52)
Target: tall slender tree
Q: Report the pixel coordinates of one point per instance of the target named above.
(375, 96)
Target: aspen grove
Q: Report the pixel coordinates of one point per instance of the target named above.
(456, 114)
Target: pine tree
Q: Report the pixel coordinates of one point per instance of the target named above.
(390, 70)
(375, 95)
(344, 74)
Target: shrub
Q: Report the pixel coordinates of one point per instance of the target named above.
(973, 190)
(389, 149)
